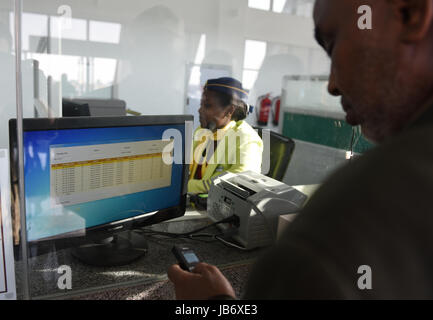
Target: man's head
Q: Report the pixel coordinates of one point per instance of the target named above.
(384, 75)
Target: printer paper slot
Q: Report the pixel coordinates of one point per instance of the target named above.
(240, 191)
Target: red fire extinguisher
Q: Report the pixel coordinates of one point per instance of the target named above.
(264, 106)
(276, 103)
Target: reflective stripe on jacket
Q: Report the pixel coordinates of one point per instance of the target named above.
(239, 149)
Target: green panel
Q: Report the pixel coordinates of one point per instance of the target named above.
(324, 131)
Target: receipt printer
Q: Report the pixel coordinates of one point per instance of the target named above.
(257, 201)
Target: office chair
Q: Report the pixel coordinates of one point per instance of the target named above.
(281, 151)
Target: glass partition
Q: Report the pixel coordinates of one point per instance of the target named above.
(10, 223)
(135, 57)
(316, 121)
(7, 76)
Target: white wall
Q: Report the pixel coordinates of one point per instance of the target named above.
(150, 61)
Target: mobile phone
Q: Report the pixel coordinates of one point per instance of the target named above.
(186, 257)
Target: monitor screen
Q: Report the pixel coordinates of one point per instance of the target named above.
(93, 107)
(84, 177)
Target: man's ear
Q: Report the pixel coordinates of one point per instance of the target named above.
(416, 17)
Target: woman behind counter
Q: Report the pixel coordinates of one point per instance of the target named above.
(224, 142)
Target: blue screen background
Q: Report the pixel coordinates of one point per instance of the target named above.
(45, 221)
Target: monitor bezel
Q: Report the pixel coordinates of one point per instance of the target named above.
(74, 238)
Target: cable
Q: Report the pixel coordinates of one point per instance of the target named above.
(354, 142)
(210, 235)
(192, 235)
(187, 234)
(231, 244)
(232, 218)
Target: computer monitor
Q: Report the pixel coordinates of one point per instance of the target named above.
(75, 109)
(80, 107)
(94, 179)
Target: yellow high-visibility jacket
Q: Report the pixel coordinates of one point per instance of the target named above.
(239, 149)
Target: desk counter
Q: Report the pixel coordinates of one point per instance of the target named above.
(45, 269)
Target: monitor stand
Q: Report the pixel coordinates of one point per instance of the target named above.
(118, 250)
